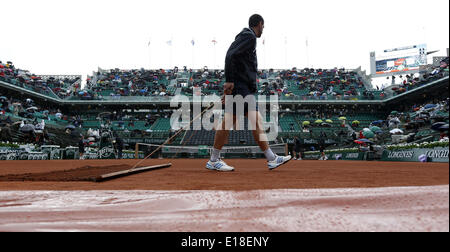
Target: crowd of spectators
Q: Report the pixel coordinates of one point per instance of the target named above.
(305, 84)
(310, 83)
(116, 82)
(420, 117)
(210, 81)
(60, 86)
(315, 83)
(31, 119)
(412, 81)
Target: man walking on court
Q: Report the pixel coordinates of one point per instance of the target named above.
(240, 73)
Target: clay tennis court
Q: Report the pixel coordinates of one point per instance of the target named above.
(300, 196)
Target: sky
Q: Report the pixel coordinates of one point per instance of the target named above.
(77, 37)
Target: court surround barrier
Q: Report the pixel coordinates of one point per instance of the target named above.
(54, 152)
(435, 152)
(438, 154)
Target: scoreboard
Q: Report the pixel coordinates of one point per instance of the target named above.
(396, 61)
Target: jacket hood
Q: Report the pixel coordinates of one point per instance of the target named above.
(246, 32)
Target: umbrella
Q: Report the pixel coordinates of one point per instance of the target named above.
(375, 129)
(32, 108)
(366, 129)
(438, 118)
(306, 123)
(319, 121)
(342, 118)
(363, 141)
(394, 112)
(441, 113)
(395, 120)
(358, 142)
(395, 131)
(437, 126)
(428, 106)
(329, 121)
(368, 134)
(27, 128)
(3, 98)
(355, 122)
(51, 135)
(70, 127)
(379, 122)
(443, 128)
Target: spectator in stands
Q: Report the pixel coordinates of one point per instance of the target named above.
(444, 63)
(8, 121)
(322, 149)
(298, 148)
(361, 135)
(119, 147)
(81, 147)
(443, 136)
(40, 126)
(354, 136)
(58, 115)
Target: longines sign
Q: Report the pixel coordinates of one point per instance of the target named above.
(434, 155)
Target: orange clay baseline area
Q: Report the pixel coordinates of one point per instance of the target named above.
(250, 174)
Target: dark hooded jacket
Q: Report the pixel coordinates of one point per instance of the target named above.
(241, 63)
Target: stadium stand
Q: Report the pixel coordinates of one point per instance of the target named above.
(317, 84)
(51, 85)
(340, 123)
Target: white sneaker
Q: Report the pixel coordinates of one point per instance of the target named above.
(219, 166)
(294, 159)
(279, 160)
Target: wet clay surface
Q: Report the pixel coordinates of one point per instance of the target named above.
(191, 174)
(85, 173)
(300, 196)
(391, 209)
